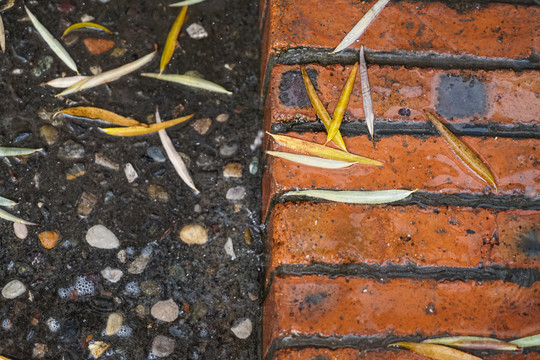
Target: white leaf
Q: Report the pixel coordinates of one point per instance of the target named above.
(190, 81)
(65, 82)
(311, 160)
(6, 202)
(186, 3)
(366, 94)
(354, 197)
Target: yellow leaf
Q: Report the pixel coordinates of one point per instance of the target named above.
(170, 43)
(83, 25)
(341, 106)
(140, 130)
(101, 114)
(321, 150)
(320, 109)
(462, 150)
(473, 342)
(436, 352)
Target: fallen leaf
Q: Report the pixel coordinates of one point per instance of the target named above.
(142, 130)
(311, 160)
(52, 42)
(437, 352)
(320, 109)
(321, 150)
(86, 25)
(7, 202)
(170, 43)
(65, 82)
(472, 342)
(101, 114)
(527, 341)
(8, 5)
(7, 216)
(2, 36)
(173, 156)
(11, 151)
(361, 26)
(354, 197)
(366, 94)
(341, 106)
(190, 81)
(186, 3)
(462, 150)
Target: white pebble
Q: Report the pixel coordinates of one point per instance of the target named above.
(130, 172)
(229, 249)
(100, 237)
(20, 230)
(53, 324)
(112, 275)
(165, 310)
(236, 193)
(13, 289)
(243, 329)
(196, 31)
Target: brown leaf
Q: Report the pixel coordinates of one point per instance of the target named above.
(436, 352)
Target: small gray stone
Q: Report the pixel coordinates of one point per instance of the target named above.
(158, 193)
(205, 161)
(236, 193)
(49, 134)
(163, 346)
(243, 329)
(166, 310)
(104, 161)
(42, 65)
(150, 288)
(78, 169)
(130, 172)
(139, 264)
(229, 249)
(196, 31)
(112, 275)
(13, 289)
(228, 150)
(100, 237)
(87, 201)
(156, 154)
(71, 151)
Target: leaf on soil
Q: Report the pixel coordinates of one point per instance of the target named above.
(7, 202)
(326, 152)
(320, 109)
(142, 130)
(52, 42)
(186, 3)
(11, 151)
(361, 26)
(436, 352)
(101, 114)
(528, 341)
(473, 342)
(190, 81)
(86, 25)
(366, 93)
(2, 36)
(170, 43)
(311, 160)
(173, 156)
(7, 216)
(462, 150)
(108, 76)
(8, 5)
(354, 197)
(341, 106)
(65, 82)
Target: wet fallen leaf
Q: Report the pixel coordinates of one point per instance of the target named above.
(361, 26)
(7, 216)
(186, 3)
(472, 342)
(437, 352)
(7, 202)
(341, 106)
(174, 157)
(11, 151)
(462, 150)
(101, 114)
(170, 43)
(142, 130)
(311, 160)
(528, 341)
(366, 94)
(190, 81)
(354, 197)
(321, 150)
(65, 82)
(108, 76)
(86, 25)
(2, 36)
(320, 109)
(52, 42)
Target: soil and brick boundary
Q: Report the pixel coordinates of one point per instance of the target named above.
(343, 281)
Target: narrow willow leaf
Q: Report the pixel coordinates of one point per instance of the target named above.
(65, 82)
(141, 130)
(2, 36)
(11, 151)
(101, 114)
(190, 81)
(321, 150)
(311, 160)
(527, 341)
(361, 26)
(320, 109)
(436, 352)
(341, 106)
(366, 93)
(354, 197)
(473, 342)
(186, 3)
(7, 216)
(52, 42)
(86, 25)
(108, 76)
(7, 202)
(170, 43)
(173, 156)
(462, 151)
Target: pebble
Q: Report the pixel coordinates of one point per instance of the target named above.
(133, 288)
(49, 134)
(49, 239)
(243, 329)
(202, 125)
(100, 237)
(76, 171)
(130, 172)
(156, 154)
(196, 31)
(254, 165)
(20, 230)
(163, 346)
(87, 201)
(236, 193)
(114, 323)
(87, 18)
(70, 151)
(222, 118)
(194, 234)
(39, 351)
(166, 310)
(112, 275)
(97, 348)
(228, 150)
(96, 70)
(232, 170)
(150, 288)
(122, 256)
(98, 46)
(42, 65)
(157, 192)
(205, 161)
(13, 289)
(229, 249)
(139, 264)
(104, 161)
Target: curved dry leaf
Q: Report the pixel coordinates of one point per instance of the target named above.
(473, 342)
(320, 109)
(173, 156)
(186, 3)
(65, 82)
(52, 42)
(8, 5)
(100, 114)
(141, 130)
(7, 216)
(366, 93)
(170, 43)
(528, 341)
(361, 26)
(7, 202)
(321, 150)
(311, 160)
(11, 151)
(436, 352)
(86, 25)
(462, 150)
(354, 197)
(190, 81)
(341, 106)
(2, 36)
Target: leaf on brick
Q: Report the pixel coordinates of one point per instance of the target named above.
(436, 352)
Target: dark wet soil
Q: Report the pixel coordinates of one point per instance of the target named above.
(213, 291)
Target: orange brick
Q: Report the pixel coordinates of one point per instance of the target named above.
(500, 96)
(324, 307)
(334, 233)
